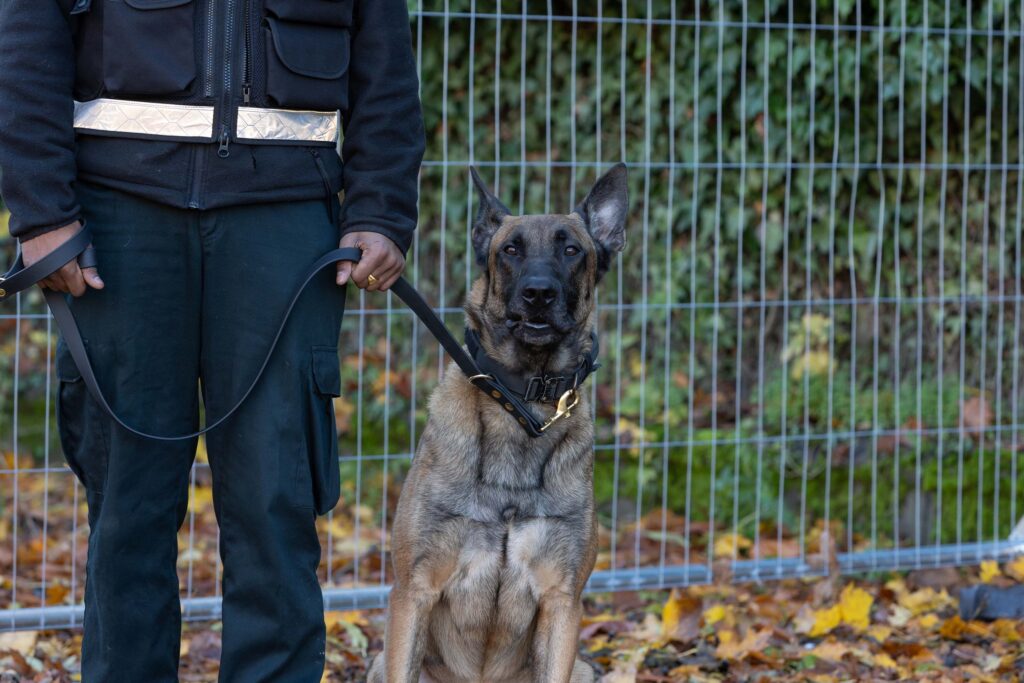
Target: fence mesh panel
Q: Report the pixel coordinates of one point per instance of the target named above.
(811, 345)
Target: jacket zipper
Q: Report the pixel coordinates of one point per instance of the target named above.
(247, 56)
(211, 27)
(198, 155)
(224, 150)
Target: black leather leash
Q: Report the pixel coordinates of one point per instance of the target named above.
(20, 278)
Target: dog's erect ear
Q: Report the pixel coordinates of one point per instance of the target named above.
(488, 217)
(604, 211)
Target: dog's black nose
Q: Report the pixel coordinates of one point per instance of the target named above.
(539, 291)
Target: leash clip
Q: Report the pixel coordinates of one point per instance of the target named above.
(566, 403)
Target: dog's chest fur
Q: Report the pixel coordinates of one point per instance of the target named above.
(512, 514)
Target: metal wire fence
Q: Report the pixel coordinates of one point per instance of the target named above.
(813, 340)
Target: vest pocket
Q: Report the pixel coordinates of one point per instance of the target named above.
(149, 47)
(322, 12)
(307, 66)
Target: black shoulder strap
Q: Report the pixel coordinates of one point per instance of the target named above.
(20, 278)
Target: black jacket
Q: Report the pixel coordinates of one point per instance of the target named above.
(353, 56)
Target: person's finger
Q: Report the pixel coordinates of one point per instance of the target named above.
(382, 273)
(72, 276)
(392, 275)
(92, 278)
(53, 282)
(345, 267)
(373, 260)
(344, 272)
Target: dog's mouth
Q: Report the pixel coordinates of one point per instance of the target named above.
(534, 331)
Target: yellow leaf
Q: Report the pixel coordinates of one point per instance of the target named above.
(825, 620)
(201, 499)
(671, 613)
(928, 621)
(680, 605)
(1006, 630)
(882, 659)
(924, 600)
(731, 545)
(717, 613)
(879, 633)
(754, 640)
(953, 628)
(830, 651)
(989, 570)
(855, 604)
(1015, 568)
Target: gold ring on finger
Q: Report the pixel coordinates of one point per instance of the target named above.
(372, 279)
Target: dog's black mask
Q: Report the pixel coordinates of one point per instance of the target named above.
(543, 269)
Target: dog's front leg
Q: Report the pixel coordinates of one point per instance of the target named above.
(405, 635)
(554, 642)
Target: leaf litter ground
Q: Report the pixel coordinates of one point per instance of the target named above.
(887, 627)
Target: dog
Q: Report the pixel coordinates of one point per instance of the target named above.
(495, 533)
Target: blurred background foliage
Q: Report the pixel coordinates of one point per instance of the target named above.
(818, 312)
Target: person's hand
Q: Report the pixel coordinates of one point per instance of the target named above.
(70, 278)
(381, 258)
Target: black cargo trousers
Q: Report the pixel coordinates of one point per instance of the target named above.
(192, 299)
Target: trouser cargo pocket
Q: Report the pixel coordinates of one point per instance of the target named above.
(319, 469)
(149, 47)
(84, 428)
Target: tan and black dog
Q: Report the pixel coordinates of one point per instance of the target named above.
(495, 534)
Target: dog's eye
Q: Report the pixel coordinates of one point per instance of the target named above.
(511, 250)
(571, 251)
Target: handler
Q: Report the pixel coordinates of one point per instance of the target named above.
(198, 139)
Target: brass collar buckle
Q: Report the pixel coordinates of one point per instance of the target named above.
(566, 403)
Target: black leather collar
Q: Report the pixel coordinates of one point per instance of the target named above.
(537, 388)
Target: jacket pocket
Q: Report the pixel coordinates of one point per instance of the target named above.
(149, 47)
(307, 65)
(84, 429)
(320, 468)
(321, 12)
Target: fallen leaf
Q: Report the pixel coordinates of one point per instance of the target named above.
(731, 545)
(884, 660)
(825, 620)
(680, 616)
(879, 632)
(855, 604)
(1015, 568)
(754, 640)
(830, 650)
(989, 571)
(718, 613)
(19, 641)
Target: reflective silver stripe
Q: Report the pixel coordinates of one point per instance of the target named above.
(287, 126)
(145, 118)
(192, 122)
